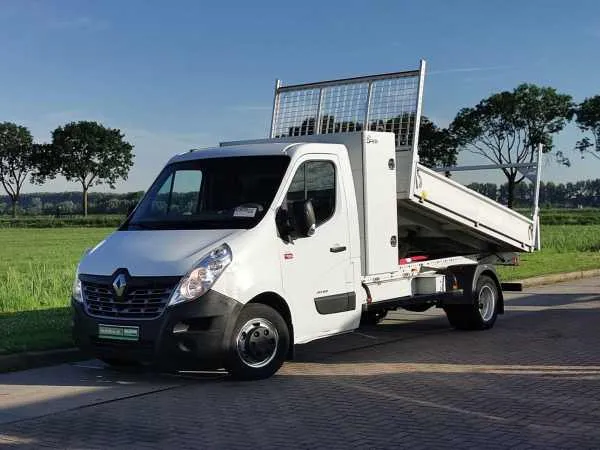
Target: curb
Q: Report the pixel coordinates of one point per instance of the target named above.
(558, 277)
(31, 360)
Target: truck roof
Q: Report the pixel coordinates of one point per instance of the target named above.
(249, 149)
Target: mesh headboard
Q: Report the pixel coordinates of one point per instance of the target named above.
(386, 102)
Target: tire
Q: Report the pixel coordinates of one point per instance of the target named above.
(482, 314)
(258, 344)
(372, 318)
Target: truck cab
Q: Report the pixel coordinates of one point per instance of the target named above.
(232, 256)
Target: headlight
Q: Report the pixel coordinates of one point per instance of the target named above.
(77, 295)
(76, 291)
(204, 274)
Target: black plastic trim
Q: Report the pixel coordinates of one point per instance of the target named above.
(336, 303)
(203, 344)
(438, 298)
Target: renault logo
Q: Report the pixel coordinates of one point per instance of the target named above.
(119, 284)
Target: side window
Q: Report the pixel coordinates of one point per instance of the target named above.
(315, 180)
(185, 193)
(179, 194)
(160, 203)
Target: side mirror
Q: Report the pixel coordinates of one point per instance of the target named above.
(283, 223)
(304, 218)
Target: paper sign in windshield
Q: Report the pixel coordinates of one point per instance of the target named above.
(241, 211)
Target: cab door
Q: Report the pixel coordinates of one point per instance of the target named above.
(317, 271)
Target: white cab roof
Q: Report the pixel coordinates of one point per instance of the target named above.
(253, 149)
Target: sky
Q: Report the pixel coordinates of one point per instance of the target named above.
(175, 75)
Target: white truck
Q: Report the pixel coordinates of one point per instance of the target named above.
(236, 254)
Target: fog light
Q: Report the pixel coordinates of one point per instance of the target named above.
(180, 328)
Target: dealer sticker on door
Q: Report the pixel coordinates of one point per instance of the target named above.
(119, 333)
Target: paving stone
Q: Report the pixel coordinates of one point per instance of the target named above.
(531, 382)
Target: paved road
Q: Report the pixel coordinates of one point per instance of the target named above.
(531, 382)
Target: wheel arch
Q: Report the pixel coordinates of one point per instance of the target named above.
(467, 276)
(279, 304)
(490, 271)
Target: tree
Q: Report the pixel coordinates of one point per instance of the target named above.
(437, 146)
(507, 127)
(588, 120)
(16, 146)
(87, 153)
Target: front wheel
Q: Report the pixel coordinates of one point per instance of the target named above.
(259, 343)
(482, 313)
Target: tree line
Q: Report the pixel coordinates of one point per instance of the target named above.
(84, 152)
(505, 128)
(580, 194)
(64, 204)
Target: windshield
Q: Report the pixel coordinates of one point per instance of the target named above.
(215, 193)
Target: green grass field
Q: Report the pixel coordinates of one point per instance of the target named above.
(565, 248)
(36, 274)
(37, 268)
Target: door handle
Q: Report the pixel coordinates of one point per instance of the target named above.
(338, 249)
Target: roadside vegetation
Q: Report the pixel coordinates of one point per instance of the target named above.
(95, 221)
(565, 248)
(36, 275)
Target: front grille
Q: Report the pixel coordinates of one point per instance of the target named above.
(137, 303)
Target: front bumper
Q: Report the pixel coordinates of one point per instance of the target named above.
(191, 335)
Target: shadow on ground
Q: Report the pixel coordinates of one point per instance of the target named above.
(35, 330)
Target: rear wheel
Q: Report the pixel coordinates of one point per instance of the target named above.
(259, 343)
(482, 313)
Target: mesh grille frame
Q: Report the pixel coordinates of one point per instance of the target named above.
(143, 299)
(384, 102)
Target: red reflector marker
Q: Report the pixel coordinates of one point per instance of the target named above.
(412, 259)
